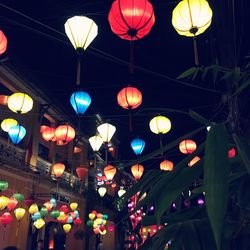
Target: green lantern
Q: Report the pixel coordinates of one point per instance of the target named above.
(44, 212)
(18, 197)
(3, 185)
(105, 216)
(90, 223)
(55, 213)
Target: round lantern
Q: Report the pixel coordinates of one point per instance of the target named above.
(109, 172)
(137, 171)
(131, 19)
(193, 161)
(160, 125)
(12, 204)
(231, 153)
(48, 134)
(43, 128)
(187, 146)
(6, 124)
(39, 223)
(121, 191)
(106, 131)
(19, 213)
(95, 142)
(3, 42)
(20, 103)
(3, 185)
(6, 219)
(81, 172)
(58, 169)
(138, 146)
(44, 212)
(166, 165)
(102, 191)
(65, 133)
(66, 228)
(129, 98)
(80, 101)
(17, 133)
(192, 17)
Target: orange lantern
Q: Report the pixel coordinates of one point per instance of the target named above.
(65, 133)
(4, 99)
(166, 165)
(129, 98)
(48, 133)
(3, 42)
(187, 146)
(58, 169)
(109, 172)
(61, 143)
(81, 172)
(12, 204)
(77, 150)
(193, 161)
(137, 171)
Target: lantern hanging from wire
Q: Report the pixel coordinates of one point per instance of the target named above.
(19, 213)
(65, 133)
(16, 133)
(166, 165)
(138, 145)
(194, 161)
(160, 125)
(6, 124)
(96, 142)
(106, 131)
(102, 191)
(19, 197)
(82, 173)
(231, 153)
(12, 203)
(80, 102)
(191, 18)
(6, 218)
(66, 228)
(20, 103)
(48, 134)
(81, 31)
(39, 223)
(187, 146)
(137, 171)
(109, 172)
(58, 169)
(121, 191)
(3, 42)
(3, 202)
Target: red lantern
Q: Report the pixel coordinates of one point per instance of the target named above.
(43, 128)
(111, 228)
(64, 208)
(77, 221)
(129, 98)
(65, 133)
(81, 172)
(131, 19)
(166, 165)
(58, 169)
(231, 153)
(109, 172)
(3, 42)
(4, 99)
(187, 146)
(137, 171)
(48, 133)
(6, 218)
(12, 203)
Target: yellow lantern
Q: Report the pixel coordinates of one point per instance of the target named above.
(92, 216)
(19, 213)
(160, 125)
(137, 171)
(3, 202)
(95, 142)
(99, 221)
(73, 206)
(66, 228)
(6, 124)
(62, 216)
(109, 172)
(39, 223)
(121, 191)
(104, 222)
(166, 165)
(192, 17)
(102, 191)
(33, 208)
(20, 103)
(106, 131)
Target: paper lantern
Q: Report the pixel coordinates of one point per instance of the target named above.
(66, 228)
(166, 165)
(77, 150)
(80, 101)
(36, 216)
(131, 19)
(17, 133)
(61, 217)
(3, 185)
(232, 153)
(53, 201)
(64, 208)
(77, 221)
(73, 206)
(109, 172)
(121, 191)
(19, 213)
(187, 146)
(102, 191)
(138, 146)
(6, 124)
(6, 218)
(43, 128)
(3, 202)
(39, 223)
(33, 208)
(92, 216)
(90, 223)
(3, 42)
(192, 17)
(19, 197)
(106, 131)
(160, 125)
(12, 203)
(95, 142)
(137, 171)
(58, 169)
(82, 173)
(65, 133)
(44, 212)
(20, 103)
(129, 98)
(193, 161)
(4, 99)
(48, 205)
(55, 214)
(48, 134)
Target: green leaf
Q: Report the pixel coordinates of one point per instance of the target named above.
(187, 73)
(216, 170)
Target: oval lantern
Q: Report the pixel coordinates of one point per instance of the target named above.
(80, 101)
(138, 146)
(160, 125)
(192, 17)
(106, 131)
(81, 172)
(64, 209)
(137, 171)
(131, 19)
(39, 223)
(19, 213)
(96, 142)
(4, 99)
(77, 221)
(109, 172)
(58, 169)
(166, 165)
(55, 214)
(20, 103)
(6, 218)
(48, 134)
(17, 133)
(193, 161)
(3, 185)
(102, 191)
(129, 98)
(3, 42)
(187, 146)
(6, 124)
(65, 133)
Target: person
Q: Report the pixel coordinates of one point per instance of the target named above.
(10, 248)
(39, 245)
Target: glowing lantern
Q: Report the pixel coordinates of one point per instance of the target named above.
(77, 150)
(73, 206)
(62, 217)
(65, 133)
(48, 134)
(193, 161)
(19, 213)
(96, 230)
(80, 101)
(106, 131)
(19, 197)
(64, 208)
(3, 185)
(81, 172)
(58, 169)
(131, 19)
(187, 146)
(129, 98)
(121, 192)
(111, 228)
(231, 153)
(6, 124)
(138, 146)
(113, 185)
(12, 203)
(53, 201)
(20, 103)
(6, 219)
(4, 99)
(43, 128)
(160, 125)
(66, 228)
(39, 223)
(3, 202)
(166, 165)
(137, 171)
(92, 216)
(33, 208)
(109, 172)
(55, 214)
(17, 133)
(36, 216)
(95, 142)
(44, 212)
(48, 205)
(51, 244)
(102, 191)
(77, 221)
(3, 42)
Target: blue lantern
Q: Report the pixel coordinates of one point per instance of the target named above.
(80, 101)
(53, 202)
(138, 146)
(36, 216)
(70, 220)
(76, 213)
(16, 133)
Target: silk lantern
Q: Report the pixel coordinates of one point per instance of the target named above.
(19, 197)
(6, 218)
(64, 208)
(160, 125)
(80, 101)
(48, 134)
(129, 98)
(55, 214)
(12, 203)
(95, 142)
(48, 205)
(109, 172)
(166, 165)
(66, 228)
(3, 42)
(77, 221)
(121, 191)
(193, 161)
(137, 171)
(102, 191)
(65, 133)
(17, 133)
(138, 145)
(6, 124)
(19, 213)
(73, 206)
(3, 202)
(39, 223)
(106, 131)
(33, 208)
(81, 172)
(187, 146)
(58, 169)
(3, 185)
(44, 212)
(20, 103)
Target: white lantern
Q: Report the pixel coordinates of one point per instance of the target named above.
(102, 191)
(95, 142)
(121, 192)
(106, 131)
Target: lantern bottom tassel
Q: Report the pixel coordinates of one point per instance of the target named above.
(196, 55)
